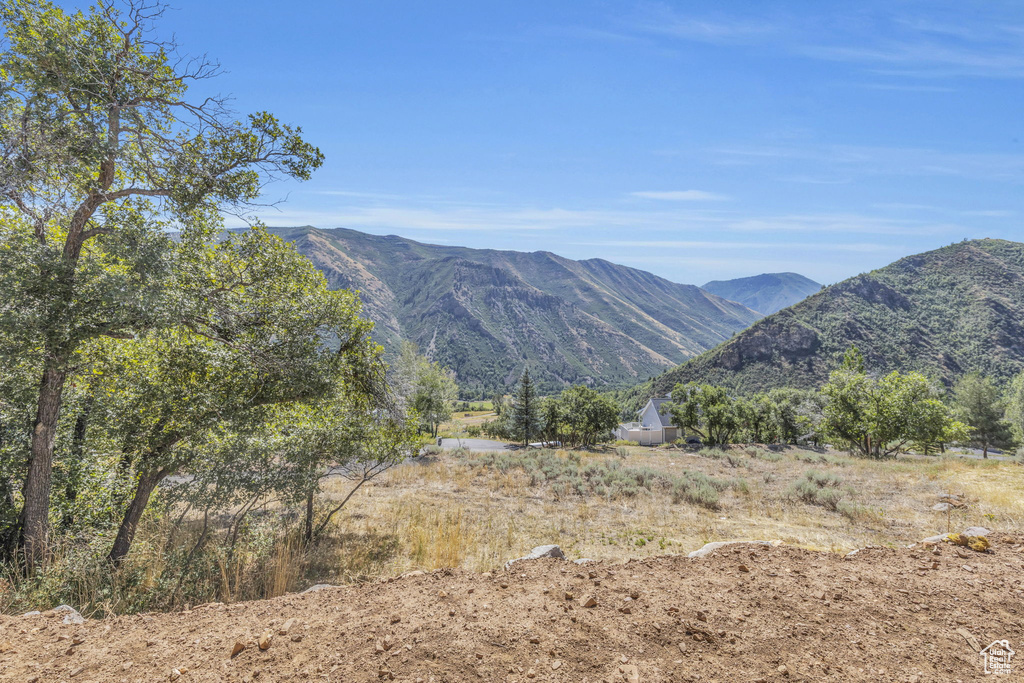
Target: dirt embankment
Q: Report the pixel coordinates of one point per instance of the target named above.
(742, 613)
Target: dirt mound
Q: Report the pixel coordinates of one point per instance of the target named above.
(741, 613)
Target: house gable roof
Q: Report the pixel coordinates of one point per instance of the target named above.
(666, 418)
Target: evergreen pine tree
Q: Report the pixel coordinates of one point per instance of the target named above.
(525, 417)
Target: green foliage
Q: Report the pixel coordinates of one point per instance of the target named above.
(1015, 407)
(424, 387)
(524, 420)
(105, 152)
(707, 411)
(877, 418)
(579, 417)
(979, 404)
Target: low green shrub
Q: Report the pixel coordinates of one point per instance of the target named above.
(818, 488)
(567, 475)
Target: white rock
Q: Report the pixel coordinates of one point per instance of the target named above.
(71, 615)
(318, 587)
(540, 552)
(584, 560)
(942, 507)
(711, 547)
(976, 531)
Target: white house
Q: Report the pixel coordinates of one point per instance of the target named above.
(654, 426)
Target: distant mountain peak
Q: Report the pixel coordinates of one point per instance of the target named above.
(766, 293)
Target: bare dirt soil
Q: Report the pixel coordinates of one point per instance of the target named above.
(742, 613)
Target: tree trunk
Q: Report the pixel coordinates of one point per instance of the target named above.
(38, 479)
(126, 532)
(308, 533)
(76, 458)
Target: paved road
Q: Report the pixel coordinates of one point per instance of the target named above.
(475, 445)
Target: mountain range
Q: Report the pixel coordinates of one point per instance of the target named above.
(767, 293)
(487, 314)
(945, 313)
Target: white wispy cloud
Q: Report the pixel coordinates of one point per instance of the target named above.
(878, 160)
(985, 43)
(787, 246)
(681, 196)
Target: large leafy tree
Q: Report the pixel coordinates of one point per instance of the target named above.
(878, 417)
(261, 329)
(586, 415)
(707, 411)
(102, 148)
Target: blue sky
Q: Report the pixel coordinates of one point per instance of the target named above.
(695, 140)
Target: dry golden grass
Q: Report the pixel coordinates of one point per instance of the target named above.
(443, 512)
(452, 510)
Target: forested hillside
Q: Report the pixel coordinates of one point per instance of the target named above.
(487, 314)
(944, 312)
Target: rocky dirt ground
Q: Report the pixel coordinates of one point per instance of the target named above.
(741, 613)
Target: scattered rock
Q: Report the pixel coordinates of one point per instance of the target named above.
(630, 673)
(711, 547)
(555, 665)
(783, 669)
(568, 595)
(318, 587)
(71, 615)
(539, 552)
(932, 540)
(237, 647)
(287, 626)
(584, 560)
(971, 640)
(590, 602)
(942, 507)
(175, 674)
(265, 639)
(744, 568)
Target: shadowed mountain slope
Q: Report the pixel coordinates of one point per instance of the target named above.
(486, 314)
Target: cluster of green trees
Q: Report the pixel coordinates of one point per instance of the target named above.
(717, 418)
(875, 417)
(579, 417)
(216, 367)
